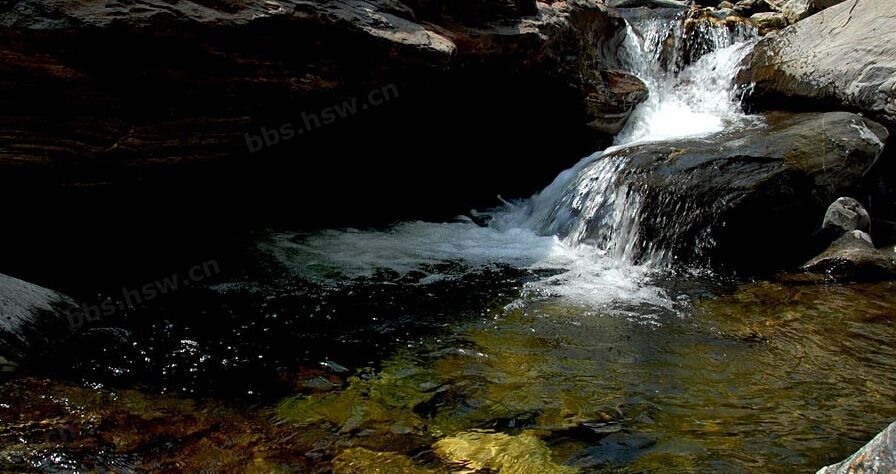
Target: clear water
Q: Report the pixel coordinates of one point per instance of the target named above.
(515, 340)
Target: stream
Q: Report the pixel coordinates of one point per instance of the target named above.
(539, 336)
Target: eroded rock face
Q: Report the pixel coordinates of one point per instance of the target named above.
(878, 456)
(610, 107)
(747, 199)
(796, 10)
(89, 84)
(844, 56)
(30, 318)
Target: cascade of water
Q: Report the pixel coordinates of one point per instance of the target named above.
(581, 234)
(689, 68)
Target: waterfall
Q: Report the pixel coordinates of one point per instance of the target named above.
(579, 238)
(689, 67)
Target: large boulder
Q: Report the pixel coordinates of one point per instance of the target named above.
(796, 10)
(32, 318)
(845, 56)
(878, 456)
(750, 198)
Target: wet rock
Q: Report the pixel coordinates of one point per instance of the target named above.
(7, 366)
(32, 318)
(845, 215)
(749, 198)
(769, 21)
(365, 461)
(843, 56)
(854, 257)
(377, 409)
(93, 429)
(617, 449)
(748, 8)
(499, 452)
(878, 456)
(610, 107)
(647, 3)
(700, 27)
(726, 5)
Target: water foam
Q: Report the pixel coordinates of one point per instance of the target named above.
(429, 252)
(550, 231)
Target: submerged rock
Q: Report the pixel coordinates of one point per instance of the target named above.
(499, 452)
(32, 318)
(364, 461)
(749, 198)
(843, 56)
(853, 256)
(878, 456)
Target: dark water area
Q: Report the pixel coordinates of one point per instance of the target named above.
(301, 375)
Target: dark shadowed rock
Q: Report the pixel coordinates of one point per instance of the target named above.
(104, 93)
(749, 198)
(610, 107)
(845, 215)
(876, 457)
(854, 257)
(747, 8)
(647, 3)
(845, 56)
(31, 317)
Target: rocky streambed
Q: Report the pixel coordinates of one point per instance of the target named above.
(711, 293)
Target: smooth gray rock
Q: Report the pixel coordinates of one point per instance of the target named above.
(749, 198)
(31, 318)
(876, 457)
(796, 10)
(845, 215)
(854, 257)
(845, 55)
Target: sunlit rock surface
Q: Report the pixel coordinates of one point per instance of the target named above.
(844, 56)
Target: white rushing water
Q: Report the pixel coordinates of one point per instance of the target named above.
(587, 205)
(697, 100)
(550, 231)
